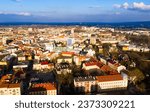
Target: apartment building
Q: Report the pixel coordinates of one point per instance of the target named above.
(43, 89)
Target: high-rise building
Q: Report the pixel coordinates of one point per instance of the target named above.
(93, 40)
(70, 41)
(4, 40)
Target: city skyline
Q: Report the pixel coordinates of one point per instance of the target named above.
(74, 11)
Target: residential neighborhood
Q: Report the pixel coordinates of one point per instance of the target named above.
(73, 60)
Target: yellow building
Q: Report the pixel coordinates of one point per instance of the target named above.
(125, 48)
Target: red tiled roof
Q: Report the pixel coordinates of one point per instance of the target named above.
(114, 72)
(109, 78)
(47, 86)
(99, 64)
(44, 63)
(14, 85)
(4, 85)
(105, 68)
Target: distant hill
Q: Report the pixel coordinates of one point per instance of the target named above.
(144, 24)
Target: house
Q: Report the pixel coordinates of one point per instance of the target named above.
(43, 89)
(79, 59)
(43, 66)
(116, 66)
(103, 60)
(3, 63)
(21, 58)
(14, 89)
(85, 84)
(20, 66)
(3, 89)
(92, 65)
(10, 89)
(63, 68)
(68, 54)
(64, 59)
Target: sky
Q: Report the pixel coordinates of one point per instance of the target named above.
(74, 10)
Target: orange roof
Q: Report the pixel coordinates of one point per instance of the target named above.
(109, 78)
(14, 85)
(114, 72)
(49, 54)
(71, 53)
(5, 77)
(105, 68)
(99, 64)
(47, 86)
(4, 85)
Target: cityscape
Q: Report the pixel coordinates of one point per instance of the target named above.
(85, 55)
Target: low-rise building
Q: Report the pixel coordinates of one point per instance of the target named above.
(110, 82)
(79, 59)
(10, 89)
(65, 59)
(92, 65)
(85, 84)
(63, 68)
(43, 89)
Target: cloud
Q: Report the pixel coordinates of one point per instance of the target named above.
(139, 6)
(16, 13)
(125, 5)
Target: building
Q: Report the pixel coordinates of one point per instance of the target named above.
(3, 89)
(43, 66)
(64, 59)
(43, 89)
(4, 40)
(10, 89)
(92, 65)
(79, 59)
(67, 54)
(111, 82)
(21, 58)
(85, 84)
(14, 89)
(92, 84)
(116, 66)
(70, 41)
(63, 68)
(3, 63)
(93, 40)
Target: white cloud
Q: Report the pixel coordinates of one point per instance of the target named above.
(140, 6)
(125, 5)
(16, 13)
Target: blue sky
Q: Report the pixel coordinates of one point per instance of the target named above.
(74, 10)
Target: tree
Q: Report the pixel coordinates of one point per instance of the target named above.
(106, 47)
(141, 87)
(137, 75)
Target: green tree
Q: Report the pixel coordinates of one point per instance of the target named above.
(106, 47)
(137, 75)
